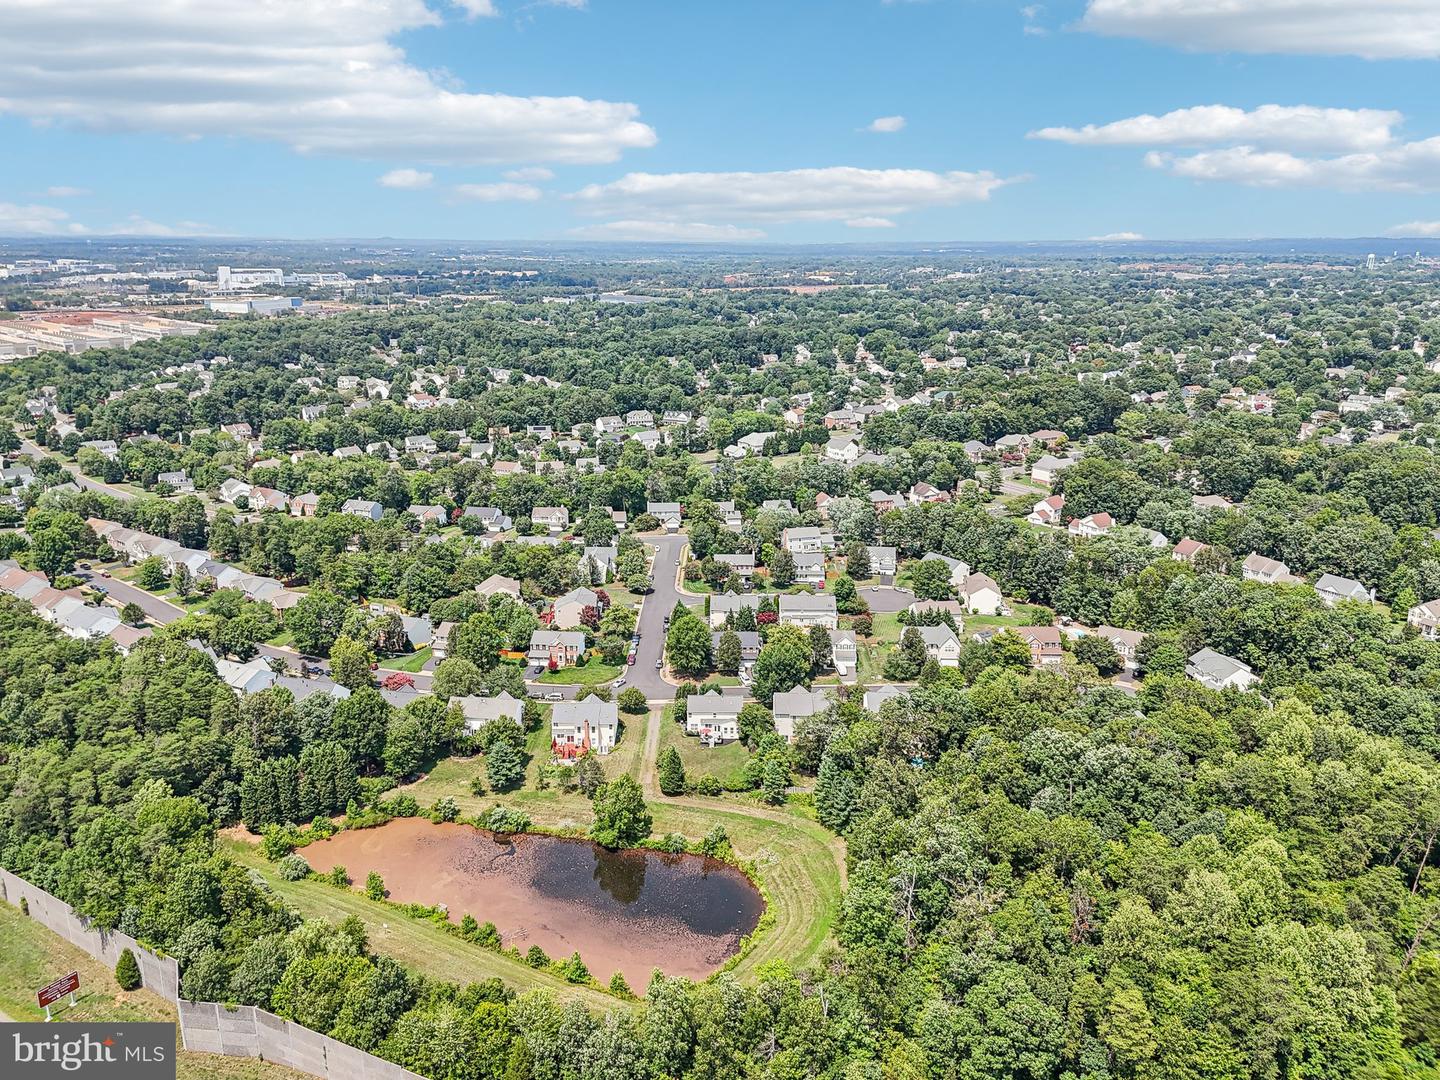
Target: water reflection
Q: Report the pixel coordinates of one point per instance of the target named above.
(620, 874)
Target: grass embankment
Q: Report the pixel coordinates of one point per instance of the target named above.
(699, 759)
(417, 943)
(31, 955)
(796, 860)
(411, 662)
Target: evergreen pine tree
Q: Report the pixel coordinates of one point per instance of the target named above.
(672, 772)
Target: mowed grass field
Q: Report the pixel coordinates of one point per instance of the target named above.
(698, 759)
(31, 956)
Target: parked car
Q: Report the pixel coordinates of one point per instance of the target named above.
(630, 659)
(554, 695)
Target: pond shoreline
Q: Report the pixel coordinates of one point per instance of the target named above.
(631, 911)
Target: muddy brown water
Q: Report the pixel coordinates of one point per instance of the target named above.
(627, 911)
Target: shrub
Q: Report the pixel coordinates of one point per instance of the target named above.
(536, 957)
(445, 809)
(716, 843)
(127, 971)
(619, 987)
(708, 785)
(632, 700)
(339, 876)
(575, 970)
(374, 886)
(502, 819)
(675, 843)
(672, 772)
(293, 867)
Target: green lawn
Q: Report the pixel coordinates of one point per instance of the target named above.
(32, 955)
(591, 673)
(698, 759)
(415, 661)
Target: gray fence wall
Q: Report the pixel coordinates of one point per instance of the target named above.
(207, 1026)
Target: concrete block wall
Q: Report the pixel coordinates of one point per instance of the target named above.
(207, 1026)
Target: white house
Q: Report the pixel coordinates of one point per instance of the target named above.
(1426, 618)
(363, 508)
(981, 595)
(1333, 588)
(1257, 567)
(1220, 672)
(883, 560)
(959, 570)
(807, 609)
(941, 644)
(792, 706)
(577, 727)
(479, 711)
(713, 717)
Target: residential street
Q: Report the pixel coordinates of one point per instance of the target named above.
(657, 605)
(81, 480)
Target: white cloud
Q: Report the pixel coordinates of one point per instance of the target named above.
(870, 223)
(533, 174)
(1411, 167)
(887, 125)
(322, 78)
(1294, 127)
(839, 193)
(406, 178)
(678, 231)
(20, 220)
(1119, 237)
(139, 225)
(477, 9)
(64, 191)
(505, 192)
(1416, 228)
(1373, 29)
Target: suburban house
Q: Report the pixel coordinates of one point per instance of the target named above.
(440, 641)
(1047, 511)
(562, 648)
(959, 571)
(232, 489)
(792, 706)
(843, 449)
(1044, 642)
(1426, 618)
(1257, 567)
(602, 558)
(640, 418)
(730, 517)
(1220, 672)
(844, 653)
(742, 566)
(426, 515)
(806, 539)
(363, 508)
(178, 481)
(1186, 550)
(578, 727)
(726, 604)
(1091, 525)
(1211, 502)
(555, 519)
(921, 492)
(1333, 588)
(941, 644)
(881, 694)
(778, 505)
(883, 560)
(306, 505)
(981, 595)
(567, 611)
(809, 567)
(499, 584)
(1126, 642)
(713, 716)
(263, 498)
(668, 514)
(749, 645)
(807, 609)
(479, 711)
(884, 501)
(491, 517)
(1048, 467)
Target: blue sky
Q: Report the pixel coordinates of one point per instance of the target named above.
(679, 119)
